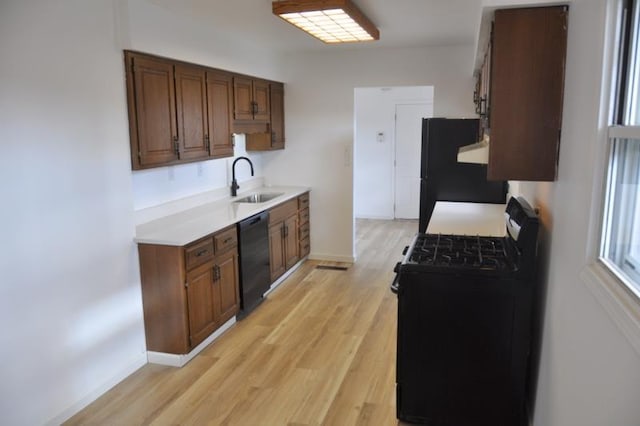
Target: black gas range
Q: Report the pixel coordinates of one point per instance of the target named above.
(464, 325)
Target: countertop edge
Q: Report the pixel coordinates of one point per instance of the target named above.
(155, 237)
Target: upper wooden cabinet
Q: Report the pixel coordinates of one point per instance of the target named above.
(191, 105)
(277, 115)
(527, 79)
(220, 98)
(181, 112)
(482, 93)
(178, 112)
(251, 99)
(273, 137)
(152, 111)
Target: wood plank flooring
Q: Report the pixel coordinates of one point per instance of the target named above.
(320, 350)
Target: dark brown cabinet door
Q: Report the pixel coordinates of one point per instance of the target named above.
(219, 96)
(277, 116)
(251, 100)
(181, 112)
(191, 103)
(262, 103)
(527, 67)
(228, 285)
(242, 98)
(152, 112)
(274, 137)
(276, 250)
(291, 241)
(203, 311)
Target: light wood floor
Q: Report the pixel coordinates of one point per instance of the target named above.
(319, 351)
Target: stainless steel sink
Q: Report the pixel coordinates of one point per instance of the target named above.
(259, 198)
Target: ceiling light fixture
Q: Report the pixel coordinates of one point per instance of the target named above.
(332, 21)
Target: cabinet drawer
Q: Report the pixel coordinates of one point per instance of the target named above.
(304, 231)
(199, 252)
(283, 211)
(303, 201)
(305, 247)
(304, 215)
(225, 239)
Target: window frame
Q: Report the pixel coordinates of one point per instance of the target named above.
(607, 285)
(625, 96)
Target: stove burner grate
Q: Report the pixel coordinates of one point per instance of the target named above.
(460, 251)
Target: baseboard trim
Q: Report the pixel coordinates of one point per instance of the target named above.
(179, 360)
(331, 258)
(137, 362)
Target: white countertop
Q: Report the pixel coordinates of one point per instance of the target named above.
(467, 219)
(189, 225)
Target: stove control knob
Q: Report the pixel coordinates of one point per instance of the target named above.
(405, 250)
(396, 268)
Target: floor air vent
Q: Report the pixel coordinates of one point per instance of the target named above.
(333, 268)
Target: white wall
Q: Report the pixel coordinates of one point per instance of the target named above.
(589, 371)
(178, 34)
(375, 109)
(319, 119)
(156, 186)
(70, 304)
(70, 300)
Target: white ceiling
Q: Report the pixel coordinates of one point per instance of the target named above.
(402, 23)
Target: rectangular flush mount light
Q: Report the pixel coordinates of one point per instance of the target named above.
(332, 21)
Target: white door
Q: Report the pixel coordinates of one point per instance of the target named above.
(408, 142)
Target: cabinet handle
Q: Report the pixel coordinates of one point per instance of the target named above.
(286, 230)
(206, 141)
(201, 252)
(216, 273)
(482, 111)
(176, 146)
(228, 240)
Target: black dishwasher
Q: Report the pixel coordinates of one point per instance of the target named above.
(254, 261)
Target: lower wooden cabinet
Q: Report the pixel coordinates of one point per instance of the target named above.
(288, 240)
(304, 230)
(283, 237)
(188, 292)
(276, 251)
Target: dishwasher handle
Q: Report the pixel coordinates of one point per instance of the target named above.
(254, 220)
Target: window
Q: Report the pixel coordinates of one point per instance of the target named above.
(620, 248)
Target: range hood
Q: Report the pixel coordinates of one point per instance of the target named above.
(477, 153)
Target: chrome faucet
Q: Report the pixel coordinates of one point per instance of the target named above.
(234, 183)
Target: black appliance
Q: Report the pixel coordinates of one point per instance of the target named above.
(443, 178)
(255, 277)
(464, 325)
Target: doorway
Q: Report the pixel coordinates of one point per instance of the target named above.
(387, 145)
